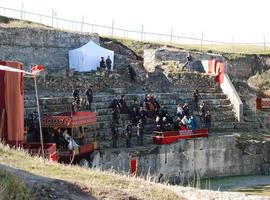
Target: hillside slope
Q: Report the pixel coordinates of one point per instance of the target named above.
(56, 181)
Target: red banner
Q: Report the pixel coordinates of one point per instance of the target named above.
(262, 103)
(133, 167)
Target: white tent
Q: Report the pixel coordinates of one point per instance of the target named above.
(87, 57)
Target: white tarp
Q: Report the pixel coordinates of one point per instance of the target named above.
(87, 57)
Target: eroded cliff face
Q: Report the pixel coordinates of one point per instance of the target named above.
(188, 159)
(43, 46)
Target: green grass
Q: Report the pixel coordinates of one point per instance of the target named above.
(12, 188)
(98, 182)
(236, 49)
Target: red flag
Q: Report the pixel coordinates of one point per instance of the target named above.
(36, 69)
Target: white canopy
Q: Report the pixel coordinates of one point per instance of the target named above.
(87, 57)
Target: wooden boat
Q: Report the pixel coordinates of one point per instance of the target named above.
(168, 137)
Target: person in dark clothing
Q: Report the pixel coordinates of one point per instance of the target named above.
(123, 104)
(207, 120)
(115, 115)
(202, 110)
(134, 111)
(132, 73)
(142, 115)
(128, 130)
(163, 112)
(186, 109)
(155, 103)
(140, 132)
(76, 92)
(195, 99)
(89, 97)
(76, 96)
(102, 63)
(188, 62)
(114, 132)
(109, 63)
(115, 104)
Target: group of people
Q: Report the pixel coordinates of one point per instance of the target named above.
(163, 121)
(149, 107)
(106, 64)
(76, 101)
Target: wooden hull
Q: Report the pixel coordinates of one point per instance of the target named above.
(168, 137)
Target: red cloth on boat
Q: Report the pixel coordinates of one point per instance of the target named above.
(14, 104)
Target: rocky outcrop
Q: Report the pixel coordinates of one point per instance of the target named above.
(245, 66)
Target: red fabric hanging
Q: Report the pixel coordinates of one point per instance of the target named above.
(14, 104)
(3, 135)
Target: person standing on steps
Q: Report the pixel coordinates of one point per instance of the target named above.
(188, 62)
(109, 64)
(114, 132)
(89, 97)
(195, 100)
(207, 120)
(140, 132)
(102, 63)
(115, 115)
(202, 110)
(76, 97)
(132, 73)
(128, 130)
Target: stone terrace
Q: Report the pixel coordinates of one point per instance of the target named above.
(223, 119)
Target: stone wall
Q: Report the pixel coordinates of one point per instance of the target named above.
(244, 66)
(228, 89)
(48, 47)
(157, 57)
(215, 156)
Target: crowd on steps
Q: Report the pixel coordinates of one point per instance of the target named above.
(149, 107)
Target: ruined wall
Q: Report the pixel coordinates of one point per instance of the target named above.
(215, 156)
(41, 46)
(161, 56)
(244, 66)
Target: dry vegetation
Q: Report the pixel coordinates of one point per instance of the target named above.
(98, 184)
(12, 188)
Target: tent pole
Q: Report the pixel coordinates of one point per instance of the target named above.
(39, 120)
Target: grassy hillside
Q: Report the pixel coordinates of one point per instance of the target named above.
(237, 49)
(53, 180)
(12, 188)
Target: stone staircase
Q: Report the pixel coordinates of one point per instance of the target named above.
(223, 118)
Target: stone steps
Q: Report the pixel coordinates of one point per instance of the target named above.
(223, 117)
